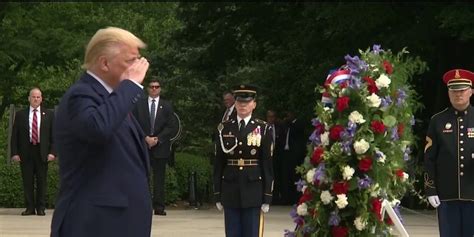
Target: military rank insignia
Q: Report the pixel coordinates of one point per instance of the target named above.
(254, 138)
(470, 132)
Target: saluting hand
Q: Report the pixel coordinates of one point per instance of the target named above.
(137, 71)
(265, 208)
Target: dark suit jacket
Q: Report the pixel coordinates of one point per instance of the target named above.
(103, 163)
(297, 140)
(20, 140)
(165, 125)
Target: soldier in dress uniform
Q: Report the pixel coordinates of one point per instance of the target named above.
(243, 173)
(449, 158)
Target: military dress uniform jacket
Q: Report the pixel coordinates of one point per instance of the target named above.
(243, 171)
(449, 155)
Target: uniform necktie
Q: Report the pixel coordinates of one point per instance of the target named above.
(152, 116)
(34, 128)
(241, 127)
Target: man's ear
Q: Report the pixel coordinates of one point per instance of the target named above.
(103, 63)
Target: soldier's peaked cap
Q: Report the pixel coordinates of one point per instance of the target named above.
(244, 92)
(458, 79)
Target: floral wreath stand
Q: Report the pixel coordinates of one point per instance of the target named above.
(386, 207)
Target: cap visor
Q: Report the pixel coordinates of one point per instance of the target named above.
(458, 87)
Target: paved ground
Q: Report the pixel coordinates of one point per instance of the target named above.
(203, 222)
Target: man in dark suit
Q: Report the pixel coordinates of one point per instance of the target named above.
(32, 146)
(243, 173)
(103, 159)
(155, 116)
(229, 103)
(294, 152)
(276, 129)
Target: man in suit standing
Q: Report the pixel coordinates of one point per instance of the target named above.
(243, 173)
(294, 152)
(155, 116)
(276, 129)
(103, 162)
(229, 103)
(32, 146)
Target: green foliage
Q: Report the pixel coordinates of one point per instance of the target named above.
(185, 165)
(176, 182)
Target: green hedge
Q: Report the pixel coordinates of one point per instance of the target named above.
(11, 191)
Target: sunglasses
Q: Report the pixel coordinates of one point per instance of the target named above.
(154, 87)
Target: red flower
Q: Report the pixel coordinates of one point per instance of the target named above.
(365, 164)
(335, 132)
(371, 87)
(319, 128)
(342, 103)
(377, 126)
(400, 129)
(376, 208)
(312, 212)
(307, 196)
(339, 231)
(399, 173)
(340, 187)
(388, 67)
(317, 155)
(343, 85)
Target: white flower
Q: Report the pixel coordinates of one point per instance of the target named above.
(361, 146)
(304, 188)
(382, 81)
(310, 175)
(302, 209)
(374, 190)
(394, 202)
(326, 197)
(325, 139)
(341, 201)
(360, 223)
(347, 172)
(405, 177)
(356, 117)
(374, 100)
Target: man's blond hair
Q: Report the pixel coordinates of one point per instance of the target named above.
(105, 41)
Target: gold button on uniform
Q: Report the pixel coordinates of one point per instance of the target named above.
(462, 165)
(461, 173)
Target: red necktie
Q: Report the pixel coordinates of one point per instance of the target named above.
(34, 128)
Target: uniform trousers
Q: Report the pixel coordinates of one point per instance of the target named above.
(243, 222)
(456, 218)
(33, 172)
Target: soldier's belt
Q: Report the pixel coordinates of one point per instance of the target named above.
(242, 162)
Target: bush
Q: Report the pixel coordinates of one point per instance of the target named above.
(11, 188)
(187, 163)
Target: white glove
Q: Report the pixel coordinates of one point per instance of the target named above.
(265, 208)
(219, 206)
(434, 201)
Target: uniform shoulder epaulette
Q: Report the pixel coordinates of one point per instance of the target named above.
(260, 121)
(439, 113)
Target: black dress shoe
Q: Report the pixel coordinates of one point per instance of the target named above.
(40, 213)
(160, 212)
(28, 213)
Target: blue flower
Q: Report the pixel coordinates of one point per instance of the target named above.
(394, 134)
(401, 96)
(334, 219)
(355, 64)
(315, 138)
(376, 49)
(364, 183)
(386, 101)
(320, 173)
(396, 209)
(299, 185)
(289, 233)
